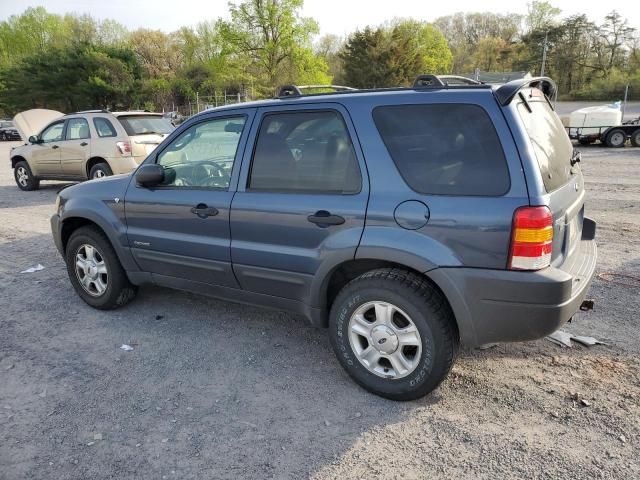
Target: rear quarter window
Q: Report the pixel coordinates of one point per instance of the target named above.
(444, 149)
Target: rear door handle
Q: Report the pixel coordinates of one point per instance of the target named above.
(204, 211)
(55, 146)
(84, 144)
(322, 218)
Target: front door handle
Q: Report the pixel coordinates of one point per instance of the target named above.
(322, 218)
(55, 146)
(84, 144)
(204, 211)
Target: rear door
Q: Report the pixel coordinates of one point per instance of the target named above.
(46, 154)
(75, 148)
(555, 182)
(180, 229)
(301, 200)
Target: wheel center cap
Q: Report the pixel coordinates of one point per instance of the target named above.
(93, 271)
(384, 339)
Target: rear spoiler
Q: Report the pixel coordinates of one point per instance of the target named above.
(505, 93)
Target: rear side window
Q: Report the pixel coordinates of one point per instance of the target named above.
(77, 129)
(444, 149)
(104, 127)
(549, 139)
(305, 152)
(145, 124)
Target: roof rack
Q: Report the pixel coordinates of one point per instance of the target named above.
(89, 111)
(430, 80)
(296, 90)
(506, 92)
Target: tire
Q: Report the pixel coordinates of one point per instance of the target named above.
(635, 138)
(616, 138)
(108, 290)
(100, 170)
(24, 177)
(417, 303)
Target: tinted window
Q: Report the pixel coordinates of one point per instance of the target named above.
(77, 128)
(145, 124)
(53, 133)
(203, 155)
(305, 151)
(444, 149)
(104, 127)
(549, 139)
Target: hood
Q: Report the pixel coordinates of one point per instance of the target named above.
(31, 122)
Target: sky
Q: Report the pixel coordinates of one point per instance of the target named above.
(334, 16)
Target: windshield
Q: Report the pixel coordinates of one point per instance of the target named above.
(550, 142)
(145, 124)
(6, 124)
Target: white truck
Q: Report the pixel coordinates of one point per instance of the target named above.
(603, 123)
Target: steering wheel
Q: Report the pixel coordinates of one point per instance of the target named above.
(212, 180)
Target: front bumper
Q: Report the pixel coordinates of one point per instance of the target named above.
(55, 231)
(510, 306)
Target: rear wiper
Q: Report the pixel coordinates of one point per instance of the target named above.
(575, 157)
(150, 133)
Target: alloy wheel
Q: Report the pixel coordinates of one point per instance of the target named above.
(385, 340)
(91, 270)
(22, 176)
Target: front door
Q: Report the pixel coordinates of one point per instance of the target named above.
(301, 200)
(75, 149)
(181, 227)
(46, 153)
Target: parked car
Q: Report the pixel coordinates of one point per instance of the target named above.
(8, 131)
(407, 221)
(83, 145)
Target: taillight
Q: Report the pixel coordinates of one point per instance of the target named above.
(531, 238)
(124, 148)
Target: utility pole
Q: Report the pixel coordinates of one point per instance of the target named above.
(544, 55)
(624, 102)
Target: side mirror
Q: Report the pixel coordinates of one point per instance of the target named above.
(150, 175)
(34, 139)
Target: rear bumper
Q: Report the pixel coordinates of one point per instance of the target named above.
(510, 306)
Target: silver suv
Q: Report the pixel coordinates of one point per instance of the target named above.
(83, 145)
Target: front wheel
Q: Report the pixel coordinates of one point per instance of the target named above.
(95, 271)
(394, 333)
(24, 177)
(100, 170)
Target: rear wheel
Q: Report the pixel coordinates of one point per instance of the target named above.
(100, 170)
(616, 138)
(95, 271)
(394, 333)
(635, 138)
(24, 177)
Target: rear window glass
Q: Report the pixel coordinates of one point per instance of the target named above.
(550, 142)
(145, 124)
(444, 149)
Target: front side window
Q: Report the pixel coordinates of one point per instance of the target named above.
(53, 133)
(77, 129)
(203, 155)
(104, 128)
(444, 149)
(307, 151)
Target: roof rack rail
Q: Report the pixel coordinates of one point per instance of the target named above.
(506, 92)
(430, 80)
(90, 111)
(296, 90)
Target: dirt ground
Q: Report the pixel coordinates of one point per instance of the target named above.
(218, 390)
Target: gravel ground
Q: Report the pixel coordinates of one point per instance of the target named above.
(218, 390)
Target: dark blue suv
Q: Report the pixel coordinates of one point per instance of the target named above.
(406, 220)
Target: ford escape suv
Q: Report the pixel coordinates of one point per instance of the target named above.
(83, 145)
(407, 220)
